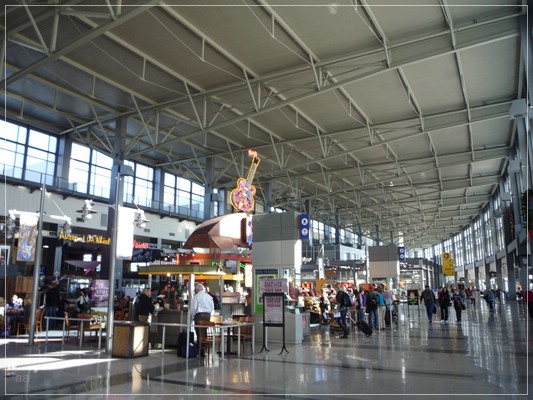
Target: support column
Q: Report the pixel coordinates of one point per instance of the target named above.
(337, 229)
(208, 195)
(267, 200)
(58, 260)
(476, 276)
(499, 279)
(487, 276)
(116, 200)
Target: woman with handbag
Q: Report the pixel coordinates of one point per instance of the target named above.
(458, 300)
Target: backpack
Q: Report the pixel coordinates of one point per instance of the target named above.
(349, 300)
(371, 302)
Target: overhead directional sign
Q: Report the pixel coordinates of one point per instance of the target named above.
(448, 268)
(304, 226)
(401, 253)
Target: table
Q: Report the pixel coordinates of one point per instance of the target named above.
(231, 326)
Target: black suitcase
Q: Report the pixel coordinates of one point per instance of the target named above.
(364, 327)
(182, 345)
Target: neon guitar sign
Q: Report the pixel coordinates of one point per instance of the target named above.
(242, 197)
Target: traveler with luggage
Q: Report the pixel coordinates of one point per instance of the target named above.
(201, 306)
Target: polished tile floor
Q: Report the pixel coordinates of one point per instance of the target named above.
(486, 355)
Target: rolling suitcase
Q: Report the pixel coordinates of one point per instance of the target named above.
(182, 345)
(364, 327)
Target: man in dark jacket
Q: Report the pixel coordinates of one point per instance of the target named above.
(430, 302)
(342, 309)
(145, 305)
(52, 303)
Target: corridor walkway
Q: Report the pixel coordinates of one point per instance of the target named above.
(486, 355)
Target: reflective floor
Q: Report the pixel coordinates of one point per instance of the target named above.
(486, 355)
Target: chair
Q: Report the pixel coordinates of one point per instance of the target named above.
(25, 323)
(69, 326)
(207, 335)
(246, 331)
(87, 326)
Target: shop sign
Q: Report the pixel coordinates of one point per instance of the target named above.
(97, 239)
(273, 285)
(140, 245)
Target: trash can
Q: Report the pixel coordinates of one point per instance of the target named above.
(130, 339)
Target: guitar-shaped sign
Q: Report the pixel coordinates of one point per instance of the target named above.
(242, 197)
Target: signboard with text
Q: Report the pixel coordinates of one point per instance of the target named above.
(274, 307)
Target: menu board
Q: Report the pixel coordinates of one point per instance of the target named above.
(273, 309)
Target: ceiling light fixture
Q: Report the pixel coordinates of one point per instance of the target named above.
(140, 219)
(86, 211)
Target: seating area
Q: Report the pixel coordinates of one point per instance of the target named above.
(245, 335)
(213, 332)
(25, 323)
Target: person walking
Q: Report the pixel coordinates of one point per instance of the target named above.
(489, 298)
(342, 309)
(458, 300)
(428, 297)
(444, 303)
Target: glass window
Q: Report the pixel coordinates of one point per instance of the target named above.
(81, 153)
(13, 132)
(41, 158)
(90, 171)
(139, 188)
(13, 159)
(78, 176)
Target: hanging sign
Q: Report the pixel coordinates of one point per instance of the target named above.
(242, 197)
(448, 268)
(304, 226)
(401, 254)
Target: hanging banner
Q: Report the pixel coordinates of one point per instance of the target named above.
(448, 268)
(100, 292)
(27, 237)
(126, 216)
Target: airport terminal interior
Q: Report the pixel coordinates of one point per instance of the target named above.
(486, 356)
(270, 151)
